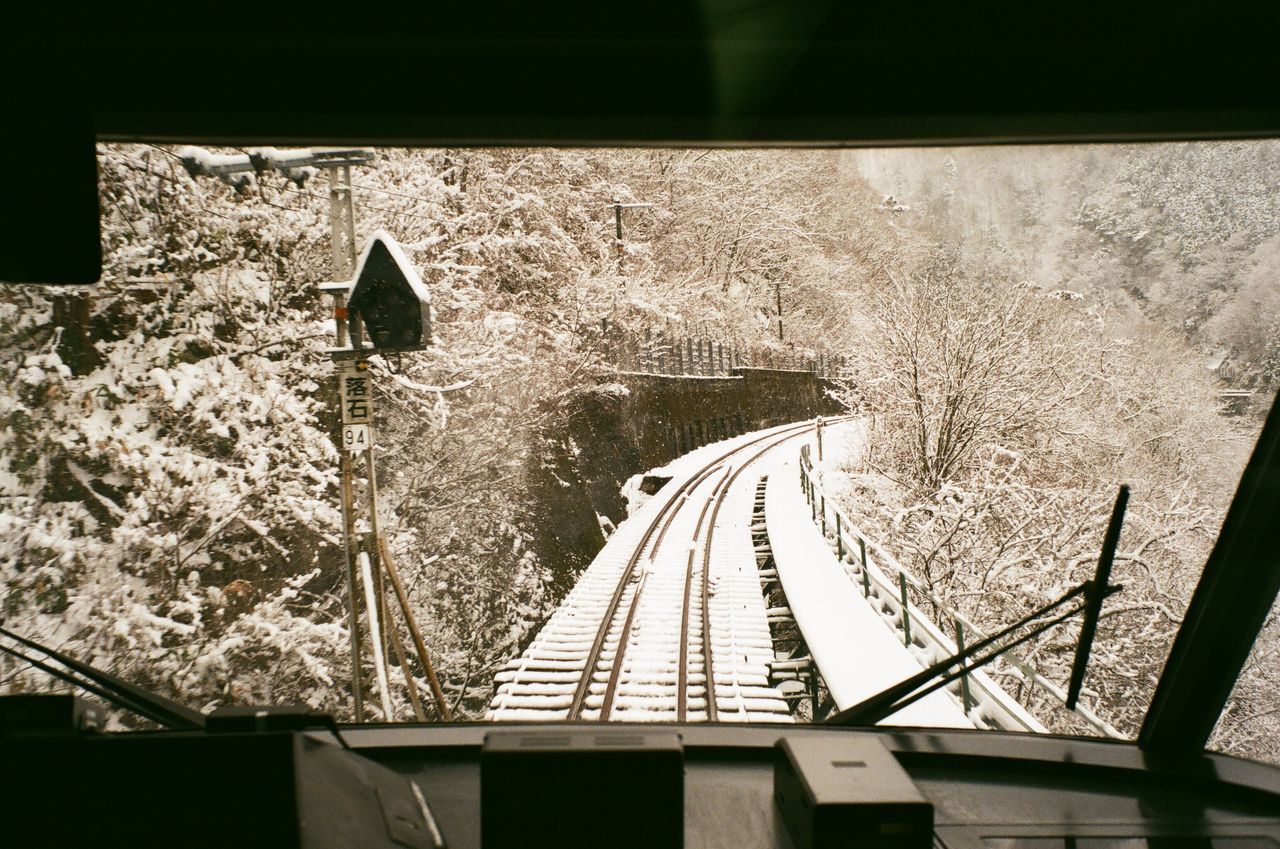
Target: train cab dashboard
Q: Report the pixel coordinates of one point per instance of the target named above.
(987, 790)
(253, 780)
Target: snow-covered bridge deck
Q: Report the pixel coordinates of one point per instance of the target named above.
(681, 574)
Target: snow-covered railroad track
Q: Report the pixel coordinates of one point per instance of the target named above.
(647, 626)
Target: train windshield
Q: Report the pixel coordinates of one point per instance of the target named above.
(672, 435)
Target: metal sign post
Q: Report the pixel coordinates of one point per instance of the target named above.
(357, 431)
(360, 526)
(382, 298)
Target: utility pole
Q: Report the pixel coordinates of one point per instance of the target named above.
(362, 548)
(777, 292)
(617, 207)
(382, 277)
(360, 302)
(355, 392)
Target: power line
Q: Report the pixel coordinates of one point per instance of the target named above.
(361, 205)
(389, 192)
(164, 150)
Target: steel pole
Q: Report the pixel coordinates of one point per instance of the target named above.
(342, 244)
(777, 291)
(353, 581)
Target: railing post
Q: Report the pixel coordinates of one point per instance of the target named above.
(866, 576)
(964, 679)
(679, 352)
(823, 510)
(906, 616)
(814, 704)
(839, 539)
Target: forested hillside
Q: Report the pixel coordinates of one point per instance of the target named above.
(1059, 337)
(170, 476)
(1184, 235)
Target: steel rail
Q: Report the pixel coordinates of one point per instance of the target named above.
(707, 650)
(671, 516)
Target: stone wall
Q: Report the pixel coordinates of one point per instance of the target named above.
(664, 416)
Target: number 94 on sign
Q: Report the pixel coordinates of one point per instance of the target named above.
(356, 438)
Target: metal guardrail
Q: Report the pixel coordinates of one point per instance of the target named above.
(864, 558)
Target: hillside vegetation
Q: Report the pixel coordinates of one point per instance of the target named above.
(1053, 340)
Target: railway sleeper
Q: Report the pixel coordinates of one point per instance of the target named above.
(527, 688)
(518, 700)
(537, 676)
(528, 714)
(524, 663)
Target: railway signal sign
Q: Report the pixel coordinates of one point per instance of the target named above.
(356, 391)
(356, 438)
(389, 299)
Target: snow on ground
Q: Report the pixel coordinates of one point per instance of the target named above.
(844, 449)
(856, 652)
(843, 472)
(633, 495)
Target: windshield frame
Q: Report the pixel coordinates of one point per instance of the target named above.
(1236, 589)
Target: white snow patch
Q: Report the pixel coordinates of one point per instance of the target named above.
(632, 494)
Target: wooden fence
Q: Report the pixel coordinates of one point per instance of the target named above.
(675, 354)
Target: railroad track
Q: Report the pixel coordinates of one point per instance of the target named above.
(644, 645)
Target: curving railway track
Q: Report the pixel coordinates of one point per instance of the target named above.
(665, 608)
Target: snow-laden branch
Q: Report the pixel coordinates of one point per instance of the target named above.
(424, 387)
